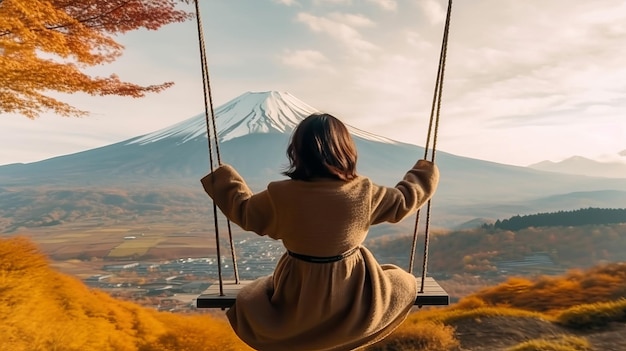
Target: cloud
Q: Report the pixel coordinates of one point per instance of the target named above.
(417, 41)
(389, 5)
(391, 88)
(342, 27)
(391, 76)
(550, 72)
(286, 2)
(354, 20)
(432, 10)
(332, 2)
(307, 59)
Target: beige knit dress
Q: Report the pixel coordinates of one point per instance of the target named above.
(341, 305)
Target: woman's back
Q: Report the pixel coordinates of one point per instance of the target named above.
(322, 217)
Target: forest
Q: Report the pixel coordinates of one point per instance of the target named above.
(583, 216)
(484, 249)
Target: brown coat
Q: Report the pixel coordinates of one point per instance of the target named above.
(321, 306)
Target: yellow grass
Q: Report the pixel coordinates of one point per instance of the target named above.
(427, 335)
(41, 309)
(454, 314)
(562, 343)
(593, 315)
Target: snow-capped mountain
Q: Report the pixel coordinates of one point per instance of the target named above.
(250, 113)
(254, 131)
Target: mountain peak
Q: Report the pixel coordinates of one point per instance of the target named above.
(260, 112)
(249, 113)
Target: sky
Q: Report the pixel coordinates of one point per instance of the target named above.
(525, 80)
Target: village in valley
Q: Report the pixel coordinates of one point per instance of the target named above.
(174, 285)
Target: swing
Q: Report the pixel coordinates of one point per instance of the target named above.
(224, 294)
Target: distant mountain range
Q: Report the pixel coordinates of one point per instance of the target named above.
(584, 166)
(156, 170)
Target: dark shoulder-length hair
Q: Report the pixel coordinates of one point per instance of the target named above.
(321, 147)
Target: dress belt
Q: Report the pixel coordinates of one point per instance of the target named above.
(316, 259)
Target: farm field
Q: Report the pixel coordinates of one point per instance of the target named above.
(78, 248)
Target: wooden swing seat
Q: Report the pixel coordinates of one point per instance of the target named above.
(433, 294)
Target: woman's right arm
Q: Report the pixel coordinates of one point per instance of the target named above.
(417, 187)
(252, 212)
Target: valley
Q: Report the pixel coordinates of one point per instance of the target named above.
(149, 261)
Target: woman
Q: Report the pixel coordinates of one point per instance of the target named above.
(327, 292)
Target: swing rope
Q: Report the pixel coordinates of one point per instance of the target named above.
(434, 121)
(212, 138)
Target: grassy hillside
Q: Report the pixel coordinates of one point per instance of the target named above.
(579, 311)
(41, 309)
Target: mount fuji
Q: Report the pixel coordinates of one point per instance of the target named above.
(253, 132)
(250, 113)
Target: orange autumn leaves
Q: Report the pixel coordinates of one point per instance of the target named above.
(46, 45)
